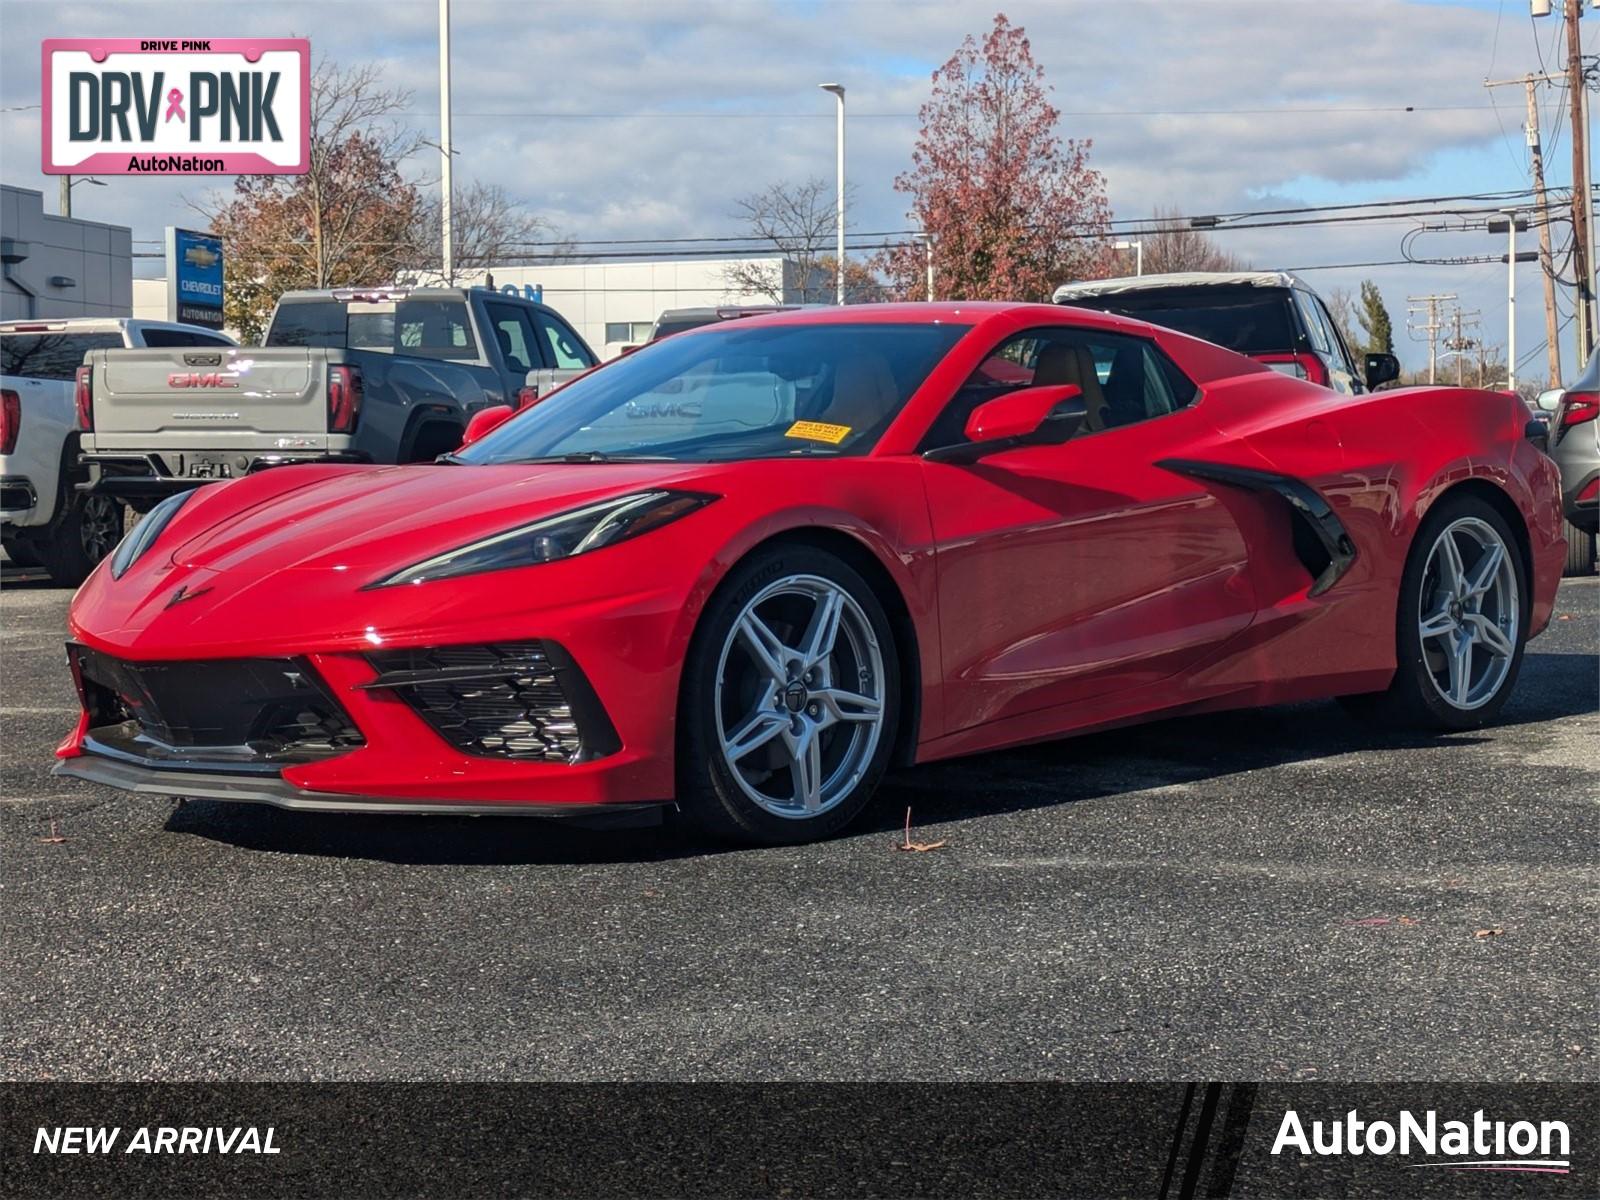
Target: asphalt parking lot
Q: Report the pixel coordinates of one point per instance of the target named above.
(1277, 895)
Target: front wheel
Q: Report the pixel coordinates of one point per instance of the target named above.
(789, 701)
(1462, 623)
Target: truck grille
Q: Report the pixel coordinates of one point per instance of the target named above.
(242, 714)
(520, 700)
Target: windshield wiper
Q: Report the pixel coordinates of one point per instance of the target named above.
(594, 456)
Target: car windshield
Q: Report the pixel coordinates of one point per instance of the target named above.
(1249, 320)
(743, 390)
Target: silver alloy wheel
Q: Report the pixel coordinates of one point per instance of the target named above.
(1468, 613)
(99, 527)
(800, 696)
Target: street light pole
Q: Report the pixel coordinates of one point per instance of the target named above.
(65, 207)
(838, 91)
(447, 250)
(1137, 247)
(1511, 301)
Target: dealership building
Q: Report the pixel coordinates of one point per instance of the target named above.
(613, 304)
(54, 266)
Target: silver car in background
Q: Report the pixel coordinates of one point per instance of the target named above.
(1575, 446)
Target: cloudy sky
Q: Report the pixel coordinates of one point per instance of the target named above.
(648, 118)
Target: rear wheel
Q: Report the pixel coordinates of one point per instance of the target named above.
(1580, 551)
(789, 701)
(75, 542)
(1462, 622)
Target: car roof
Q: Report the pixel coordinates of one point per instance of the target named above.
(1175, 279)
(954, 312)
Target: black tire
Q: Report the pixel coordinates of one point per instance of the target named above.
(75, 542)
(20, 553)
(708, 793)
(1412, 700)
(1580, 551)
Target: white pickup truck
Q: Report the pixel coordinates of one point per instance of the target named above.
(44, 519)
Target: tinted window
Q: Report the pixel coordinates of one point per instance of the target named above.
(1123, 379)
(157, 339)
(743, 391)
(50, 355)
(421, 328)
(515, 336)
(1249, 320)
(315, 323)
(666, 328)
(566, 349)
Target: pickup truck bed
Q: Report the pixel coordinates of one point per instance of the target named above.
(383, 376)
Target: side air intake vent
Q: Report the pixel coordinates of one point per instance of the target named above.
(520, 700)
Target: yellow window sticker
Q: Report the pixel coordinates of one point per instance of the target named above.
(818, 431)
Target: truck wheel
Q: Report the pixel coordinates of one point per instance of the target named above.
(75, 542)
(20, 554)
(1580, 551)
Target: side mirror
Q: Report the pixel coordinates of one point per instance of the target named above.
(1381, 369)
(1032, 416)
(1550, 400)
(484, 420)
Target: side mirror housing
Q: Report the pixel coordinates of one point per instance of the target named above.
(1381, 369)
(484, 420)
(1031, 416)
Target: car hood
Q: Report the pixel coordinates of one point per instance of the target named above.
(366, 521)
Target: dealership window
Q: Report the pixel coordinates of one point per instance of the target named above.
(634, 332)
(1124, 380)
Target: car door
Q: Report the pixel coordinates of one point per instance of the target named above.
(1072, 571)
(516, 344)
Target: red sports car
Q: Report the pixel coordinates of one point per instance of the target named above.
(747, 569)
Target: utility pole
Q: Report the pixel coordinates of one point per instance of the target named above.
(1431, 328)
(1547, 271)
(1583, 266)
(447, 248)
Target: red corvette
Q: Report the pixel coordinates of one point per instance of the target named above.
(747, 569)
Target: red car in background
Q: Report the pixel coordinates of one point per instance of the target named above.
(747, 569)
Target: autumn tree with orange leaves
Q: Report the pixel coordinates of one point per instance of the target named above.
(1014, 209)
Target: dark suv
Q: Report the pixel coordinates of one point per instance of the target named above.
(1575, 445)
(1269, 315)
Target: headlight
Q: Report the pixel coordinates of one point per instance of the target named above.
(143, 535)
(563, 536)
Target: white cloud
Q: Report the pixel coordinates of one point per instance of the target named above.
(746, 70)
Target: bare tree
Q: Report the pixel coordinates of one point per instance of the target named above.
(487, 229)
(800, 220)
(1174, 246)
(352, 218)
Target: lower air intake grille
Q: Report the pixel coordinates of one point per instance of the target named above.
(239, 714)
(520, 700)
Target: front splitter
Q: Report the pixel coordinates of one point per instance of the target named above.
(200, 785)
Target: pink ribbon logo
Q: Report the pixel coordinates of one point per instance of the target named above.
(175, 105)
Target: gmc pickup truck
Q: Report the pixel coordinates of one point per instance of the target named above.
(380, 375)
(44, 520)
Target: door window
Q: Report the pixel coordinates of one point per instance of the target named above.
(515, 337)
(566, 350)
(1123, 379)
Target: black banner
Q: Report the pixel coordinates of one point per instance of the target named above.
(1166, 1141)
